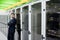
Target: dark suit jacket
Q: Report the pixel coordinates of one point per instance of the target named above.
(11, 25)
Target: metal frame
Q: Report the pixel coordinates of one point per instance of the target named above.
(43, 20)
(29, 18)
(21, 21)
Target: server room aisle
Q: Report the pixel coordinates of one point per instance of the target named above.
(16, 35)
(2, 36)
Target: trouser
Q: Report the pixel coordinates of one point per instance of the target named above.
(11, 35)
(19, 31)
(19, 34)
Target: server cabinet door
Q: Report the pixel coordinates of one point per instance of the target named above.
(25, 32)
(36, 22)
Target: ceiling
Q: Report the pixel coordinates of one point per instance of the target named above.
(7, 3)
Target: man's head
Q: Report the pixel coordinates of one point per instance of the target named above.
(12, 15)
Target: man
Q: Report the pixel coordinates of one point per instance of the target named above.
(11, 29)
(18, 26)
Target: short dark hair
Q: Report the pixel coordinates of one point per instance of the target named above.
(12, 13)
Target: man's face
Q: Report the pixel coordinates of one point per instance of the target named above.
(12, 16)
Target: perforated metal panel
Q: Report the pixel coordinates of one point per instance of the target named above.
(3, 26)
